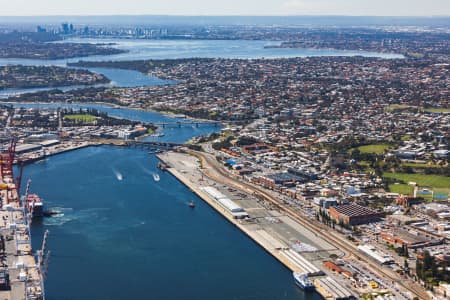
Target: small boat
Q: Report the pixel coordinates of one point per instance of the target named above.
(303, 281)
(158, 135)
(191, 204)
(156, 177)
(162, 166)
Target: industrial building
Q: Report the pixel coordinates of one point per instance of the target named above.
(306, 266)
(412, 239)
(23, 148)
(335, 268)
(353, 214)
(234, 209)
(325, 202)
(330, 289)
(377, 255)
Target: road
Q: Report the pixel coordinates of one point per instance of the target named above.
(215, 171)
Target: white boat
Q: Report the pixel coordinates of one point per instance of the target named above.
(303, 281)
(156, 177)
(158, 135)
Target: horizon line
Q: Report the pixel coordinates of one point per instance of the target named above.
(218, 15)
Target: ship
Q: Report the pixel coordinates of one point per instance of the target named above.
(191, 204)
(35, 206)
(303, 281)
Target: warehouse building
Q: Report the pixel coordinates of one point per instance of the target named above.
(235, 210)
(353, 214)
(24, 148)
(377, 255)
(332, 290)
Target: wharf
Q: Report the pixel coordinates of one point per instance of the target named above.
(20, 275)
(271, 230)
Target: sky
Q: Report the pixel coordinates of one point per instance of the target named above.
(226, 7)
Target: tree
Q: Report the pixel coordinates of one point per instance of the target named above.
(419, 269)
(406, 266)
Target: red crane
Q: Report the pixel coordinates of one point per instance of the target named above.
(7, 161)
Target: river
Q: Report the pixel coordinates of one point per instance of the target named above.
(169, 49)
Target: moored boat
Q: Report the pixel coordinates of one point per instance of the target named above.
(303, 281)
(35, 206)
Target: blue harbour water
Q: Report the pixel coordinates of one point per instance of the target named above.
(123, 235)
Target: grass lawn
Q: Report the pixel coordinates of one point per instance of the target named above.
(81, 118)
(419, 165)
(439, 183)
(438, 110)
(394, 107)
(364, 163)
(375, 148)
(406, 137)
(434, 181)
(401, 189)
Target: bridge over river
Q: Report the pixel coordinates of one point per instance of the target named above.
(187, 123)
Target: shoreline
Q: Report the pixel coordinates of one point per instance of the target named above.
(31, 160)
(115, 106)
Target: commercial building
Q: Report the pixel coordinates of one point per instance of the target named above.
(353, 214)
(377, 255)
(325, 202)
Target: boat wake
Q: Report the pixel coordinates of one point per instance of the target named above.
(156, 177)
(66, 215)
(118, 175)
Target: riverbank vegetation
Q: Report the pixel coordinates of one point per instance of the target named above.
(18, 77)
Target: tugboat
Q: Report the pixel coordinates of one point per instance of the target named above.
(35, 206)
(191, 204)
(303, 281)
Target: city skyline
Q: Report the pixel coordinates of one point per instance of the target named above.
(231, 7)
